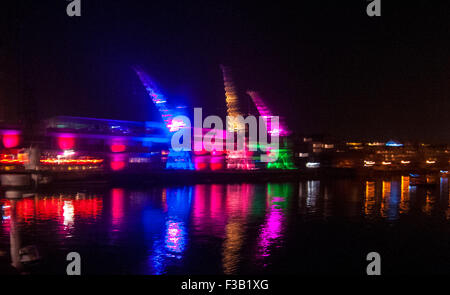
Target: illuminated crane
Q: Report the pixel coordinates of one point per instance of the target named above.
(236, 159)
(176, 159)
(157, 97)
(265, 112)
(284, 154)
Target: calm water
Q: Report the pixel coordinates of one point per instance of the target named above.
(325, 226)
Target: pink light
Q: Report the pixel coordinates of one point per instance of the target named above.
(118, 200)
(239, 198)
(216, 199)
(208, 216)
(11, 139)
(199, 213)
(265, 112)
(273, 226)
(271, 230)
(117, 162)
(175, 236)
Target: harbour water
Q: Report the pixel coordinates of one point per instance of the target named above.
(323, 226)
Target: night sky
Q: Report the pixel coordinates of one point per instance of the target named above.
(324, 65)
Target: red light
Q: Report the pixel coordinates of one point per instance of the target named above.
(66, 142)
(117, 165)
(201, 166)
(118, 147)
(216, 166)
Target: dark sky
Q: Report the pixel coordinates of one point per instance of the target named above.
(324, 65)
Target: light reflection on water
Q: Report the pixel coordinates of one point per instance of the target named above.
(203, 228)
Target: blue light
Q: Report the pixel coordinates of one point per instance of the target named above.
(168, 241)
(393, 143)
(157, 98)
(181, 160)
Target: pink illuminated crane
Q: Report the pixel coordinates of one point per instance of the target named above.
(265, 112)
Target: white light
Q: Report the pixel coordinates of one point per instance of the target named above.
(68, 153)
(312, 165)
(176, 125)
(68, 213)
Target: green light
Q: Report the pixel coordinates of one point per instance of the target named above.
(284, 161)
(280, 190)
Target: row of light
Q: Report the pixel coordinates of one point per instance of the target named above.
(71, 161)
(55, 161)
(368, 163)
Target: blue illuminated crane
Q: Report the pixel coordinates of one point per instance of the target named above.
(176, 159)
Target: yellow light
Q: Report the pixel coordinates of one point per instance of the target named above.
(354, 143)
(431, 162)
(70, 161)
(386, 163)
(406, 162)
(231, 99)
(368, 163)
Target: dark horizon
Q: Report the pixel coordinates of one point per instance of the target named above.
(326, 67)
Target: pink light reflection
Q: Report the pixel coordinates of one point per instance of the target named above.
(117, 206)
(273, 226)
